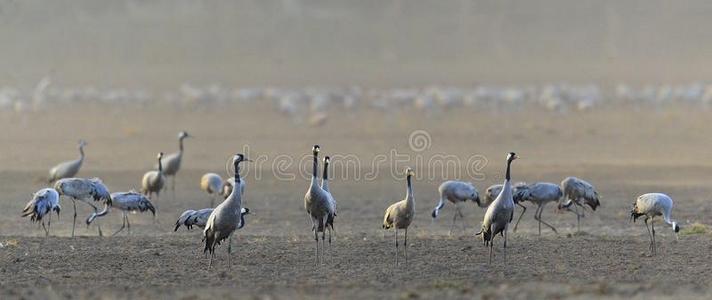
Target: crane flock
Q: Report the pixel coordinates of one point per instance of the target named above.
(221, 222)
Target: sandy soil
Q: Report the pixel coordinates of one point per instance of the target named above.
(623, 152)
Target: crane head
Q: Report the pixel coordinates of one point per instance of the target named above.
(315, 149)
(184, 134)
(511, 156)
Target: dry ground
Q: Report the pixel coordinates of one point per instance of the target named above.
(623, 152)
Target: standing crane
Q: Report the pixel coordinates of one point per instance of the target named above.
(500, 213)
(70, 168)
(400, 214)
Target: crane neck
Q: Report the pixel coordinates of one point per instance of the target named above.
(315, 168)
(325, 176)
(507, 175)
(242, 221)
(180, 144)
(95, 214)
(81, 151)
(409, 189)
(160, 165)
(237, 175)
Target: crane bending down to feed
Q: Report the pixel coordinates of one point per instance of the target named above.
(400, 214)
(317, 204)
(42, 204)
(456, 192)
(171, 162)
(126, 202)
(652, 205)
(85, 190)
(540, 194)
(68, 169)
(225, 218)
(578, 192)
(500, 213)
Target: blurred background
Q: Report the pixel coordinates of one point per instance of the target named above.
(160, 45)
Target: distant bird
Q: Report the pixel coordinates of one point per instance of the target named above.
(652, 205)
(171, 162)
(42, 204)
(456, 192)
(317, 203)
(212, 184)
(400, 214)
(578, 192)
(229, 183)
(190, 218)
(126, 202)
(68, 168)
(225, 218)
(500, 213)
(85, 190)
(332, 202)
(153, 181)
(540, 194)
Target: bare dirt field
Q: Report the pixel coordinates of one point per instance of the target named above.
(624, 152)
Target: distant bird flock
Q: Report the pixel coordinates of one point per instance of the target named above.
(220, 223)
(312, 105)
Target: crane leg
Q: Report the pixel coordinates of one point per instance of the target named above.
(524, 209)
(462, 219)
(454, 217)
(505, 243)
(405, 246)
(45, 229)
(538, 218)
(229, 252)
(173, 186)
(74, 224)
(650, 235)
(490, 251)
(128, 225)
(396, 240)
(316, 238)
(652, 228)
(123, 224)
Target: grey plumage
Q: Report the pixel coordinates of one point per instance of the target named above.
(126, 202)
(42, 204)
(153, 181)
(224, 219)
(199, 218)
(85, 190)
(456, 192)
(650, 206)
(332, 202)
(68, 169)
(540, 194)
(317, 204)
(500, 213)
(229, 183)
(401, 214)
(171, 162)
(578, 192)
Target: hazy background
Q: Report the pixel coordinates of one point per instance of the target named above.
(161, 44)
